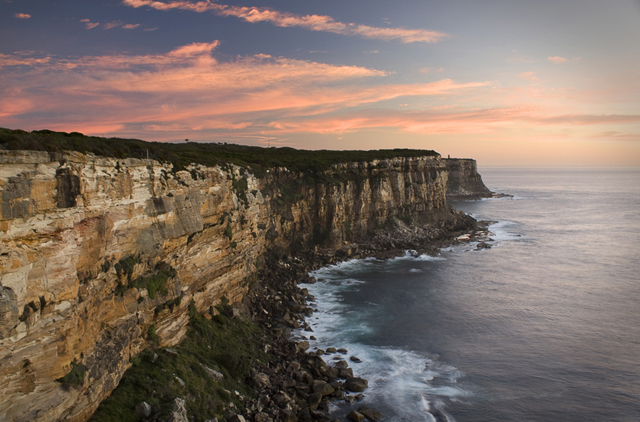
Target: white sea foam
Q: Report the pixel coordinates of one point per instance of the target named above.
(504, 230)
(405, 382)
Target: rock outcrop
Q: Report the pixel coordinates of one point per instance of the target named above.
(464, 182)
(99, 256)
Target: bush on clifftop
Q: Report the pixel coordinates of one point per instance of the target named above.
(258, 159)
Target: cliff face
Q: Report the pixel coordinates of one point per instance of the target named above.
(96, 250)
(464, 181)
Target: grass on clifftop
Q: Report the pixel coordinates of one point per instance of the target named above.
(210, 154)
(226, 345)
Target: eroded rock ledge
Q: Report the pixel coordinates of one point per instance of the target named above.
(96, 250)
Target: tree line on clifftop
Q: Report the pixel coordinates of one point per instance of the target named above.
(258, 159)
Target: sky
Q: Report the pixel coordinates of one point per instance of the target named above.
(507, 82)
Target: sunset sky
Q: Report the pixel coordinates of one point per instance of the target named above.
(508, 82)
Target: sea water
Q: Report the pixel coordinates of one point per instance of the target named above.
(543, 326)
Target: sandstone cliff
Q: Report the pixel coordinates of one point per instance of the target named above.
(464, 182)
(96, 250)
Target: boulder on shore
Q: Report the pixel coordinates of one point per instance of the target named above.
(356, 384)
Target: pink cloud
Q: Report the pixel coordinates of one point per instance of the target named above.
(22, 16)
(131, 26)
(430, 122)
(528, 76)
(89, 24)
(19, 60)
(311, 22)
(112, 25)
(557, 59)
(187, 90)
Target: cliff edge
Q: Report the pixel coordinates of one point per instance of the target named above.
(464, 182)
(96, 250)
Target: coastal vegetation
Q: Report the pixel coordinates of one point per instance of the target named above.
(180, 155)
(208, 368)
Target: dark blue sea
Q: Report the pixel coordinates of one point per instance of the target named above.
(543, 326)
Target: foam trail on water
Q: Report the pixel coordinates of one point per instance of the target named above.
(403, 384)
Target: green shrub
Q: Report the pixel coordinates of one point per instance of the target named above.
(152, 336)
(229, 232)
(75, 377)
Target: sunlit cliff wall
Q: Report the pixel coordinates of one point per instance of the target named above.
(95, 250)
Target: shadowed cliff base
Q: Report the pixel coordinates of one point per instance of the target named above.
(101, 255)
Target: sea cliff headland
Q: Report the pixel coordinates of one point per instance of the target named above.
(106, 256)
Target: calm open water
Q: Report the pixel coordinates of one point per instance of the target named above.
(544, 326)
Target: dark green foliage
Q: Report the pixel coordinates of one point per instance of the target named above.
(229, 232)
(151, 334)
(240, 185)
(407, 219)
(389, 224)
(153, 283)
(233, 245)
(125, 265)
(321, 235)
(258, 159)
(75, 377)
(227, 345)
(347, 229)
(193, 311)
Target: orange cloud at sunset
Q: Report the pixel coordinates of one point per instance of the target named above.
(187, 91)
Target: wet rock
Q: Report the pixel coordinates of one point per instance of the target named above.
(330, 350)
(356, 384)
(355, 359)
(341, 364)
(345, 373)
(320, 416)
(355, 416)
(303, 346)
(343, 351)
(314, 400)
(322, 387)
(370, 414)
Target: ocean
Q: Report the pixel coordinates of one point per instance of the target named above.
(543, 326)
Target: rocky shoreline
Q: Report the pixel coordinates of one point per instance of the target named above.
(298, 385)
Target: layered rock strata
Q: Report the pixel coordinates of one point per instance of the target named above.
(97, 251)
(464, 182)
